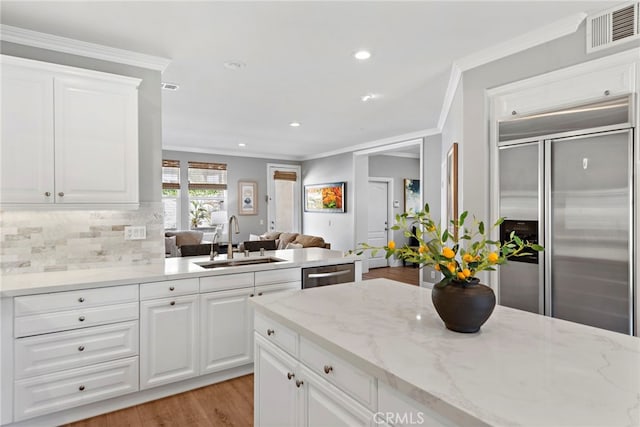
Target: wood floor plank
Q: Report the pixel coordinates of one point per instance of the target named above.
(410, 275)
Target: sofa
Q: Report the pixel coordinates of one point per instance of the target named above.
(185, 243)
(284, 240)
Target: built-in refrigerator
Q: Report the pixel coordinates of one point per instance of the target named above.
(566, 182)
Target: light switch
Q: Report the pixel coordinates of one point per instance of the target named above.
(138, 232)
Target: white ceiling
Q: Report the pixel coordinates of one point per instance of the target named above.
(299, 63)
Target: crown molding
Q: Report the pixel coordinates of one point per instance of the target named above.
(232, 153)
(80, 48)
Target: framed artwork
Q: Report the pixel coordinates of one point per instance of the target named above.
(452, 188)
(329, 198)
(412, 195)
(247, 198)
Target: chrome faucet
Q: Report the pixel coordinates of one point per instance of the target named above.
(236, 230)
(214, 253)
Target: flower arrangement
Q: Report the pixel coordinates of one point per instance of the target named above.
(460, 258)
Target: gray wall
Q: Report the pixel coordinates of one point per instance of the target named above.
(335, 228)
(238, 169)
(474, 150)
(397, 168)
(149, 108)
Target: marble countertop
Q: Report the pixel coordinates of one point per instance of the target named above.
(170, 269)
(521, 369)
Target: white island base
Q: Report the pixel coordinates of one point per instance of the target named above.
(376, 353)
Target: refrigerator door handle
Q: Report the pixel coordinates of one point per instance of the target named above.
(546, 202)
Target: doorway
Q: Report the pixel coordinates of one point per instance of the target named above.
(380, 194)
(283, 197)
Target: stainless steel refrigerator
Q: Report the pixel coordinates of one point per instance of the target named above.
(566, 181)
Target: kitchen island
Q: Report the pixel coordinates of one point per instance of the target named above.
(377, 350)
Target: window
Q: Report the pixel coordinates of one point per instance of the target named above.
(207, 194)
(171, 193)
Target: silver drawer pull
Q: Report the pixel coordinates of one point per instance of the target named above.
(172, 303)
(259, 294)
(328, 368)
(332, 274)
(61, 194)
(81, 388)
(172, 288)
(290, 375)
(80, 299)
(47, 193)
(81, 318)
(299, 383)
(270, 332)
(81, 348)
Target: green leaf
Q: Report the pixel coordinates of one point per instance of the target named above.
(445, 236)
(517, 240)
(426, 207)
(513, 233)
(481, 227)
(537, 247)
(498, 222)
(395, 227)
(463, 217)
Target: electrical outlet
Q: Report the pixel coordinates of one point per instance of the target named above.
(262, 222)
(138, 232)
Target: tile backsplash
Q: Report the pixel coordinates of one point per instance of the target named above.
(55, 240)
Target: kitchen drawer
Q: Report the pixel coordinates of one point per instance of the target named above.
(226, 282)
(74, 319)
(391, 401)
(358, 384)
(274, 332)
(62, 301)
(278, 276)
(43, 354)
(67, 389)
(169, 288)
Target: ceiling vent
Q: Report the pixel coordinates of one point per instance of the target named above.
(169, 86)
(613, 26)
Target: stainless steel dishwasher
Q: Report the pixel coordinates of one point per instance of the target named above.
(328, 275)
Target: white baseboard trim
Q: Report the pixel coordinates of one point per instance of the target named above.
(132, 399)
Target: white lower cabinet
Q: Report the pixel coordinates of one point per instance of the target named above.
(67, 389)
(288, 393)
(168, 340)
(226, 330)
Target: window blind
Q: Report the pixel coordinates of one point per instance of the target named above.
(170, 174)
(285, 176)
(207, 176)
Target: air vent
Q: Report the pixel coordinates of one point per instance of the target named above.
(612, 26)
(169, 86)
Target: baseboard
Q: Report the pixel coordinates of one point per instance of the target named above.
(132, 399)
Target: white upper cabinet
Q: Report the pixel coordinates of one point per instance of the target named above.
(69, 136)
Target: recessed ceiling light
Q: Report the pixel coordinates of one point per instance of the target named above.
(369, 97)
(234, 65)
(294, 124)
(242, 144)
(169, 86)
(362, 55)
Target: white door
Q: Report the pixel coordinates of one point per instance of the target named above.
(226, 330)
(275, 393)
(168, 340)
(26, 152)
(96, 133)
(378, 221)
(283, 197)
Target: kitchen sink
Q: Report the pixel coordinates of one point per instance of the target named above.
(238, 262)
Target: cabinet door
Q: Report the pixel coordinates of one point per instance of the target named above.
(276, 397)
(96, 134)
(26, 152)
(226, 330)
(326, 405)
(168, 340)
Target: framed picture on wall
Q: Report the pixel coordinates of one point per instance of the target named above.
(328, 198)
(452, 189)
(247, 198)
(412, 196)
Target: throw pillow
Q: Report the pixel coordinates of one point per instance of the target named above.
(285, 239)
(310, 241)
(294, 246)
(254, 237)
(186, 237)
(270, 235)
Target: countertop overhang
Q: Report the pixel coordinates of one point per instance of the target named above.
(521, 369)
(171, 269)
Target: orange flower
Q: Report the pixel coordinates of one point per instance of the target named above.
(448, 253)
(422, 249)
(391, 245)
(466, 272)
(467, 258)
(461, 276)
(436, 267)
(493, 257)
(451, 267)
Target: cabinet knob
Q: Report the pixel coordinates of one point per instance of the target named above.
(270, 332)
(80, 299)
(259, 294)
(61, 194)
(250, 295)
(172, 303)
(328, 368)
(81, 348)
(81, 388)
(172, 288)
(290, 375)
(81, 318)
(299, 383)
(47, 193)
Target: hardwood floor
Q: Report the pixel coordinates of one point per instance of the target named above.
(229, 403)
(410, 275)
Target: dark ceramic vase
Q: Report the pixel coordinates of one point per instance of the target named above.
(464, 306)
